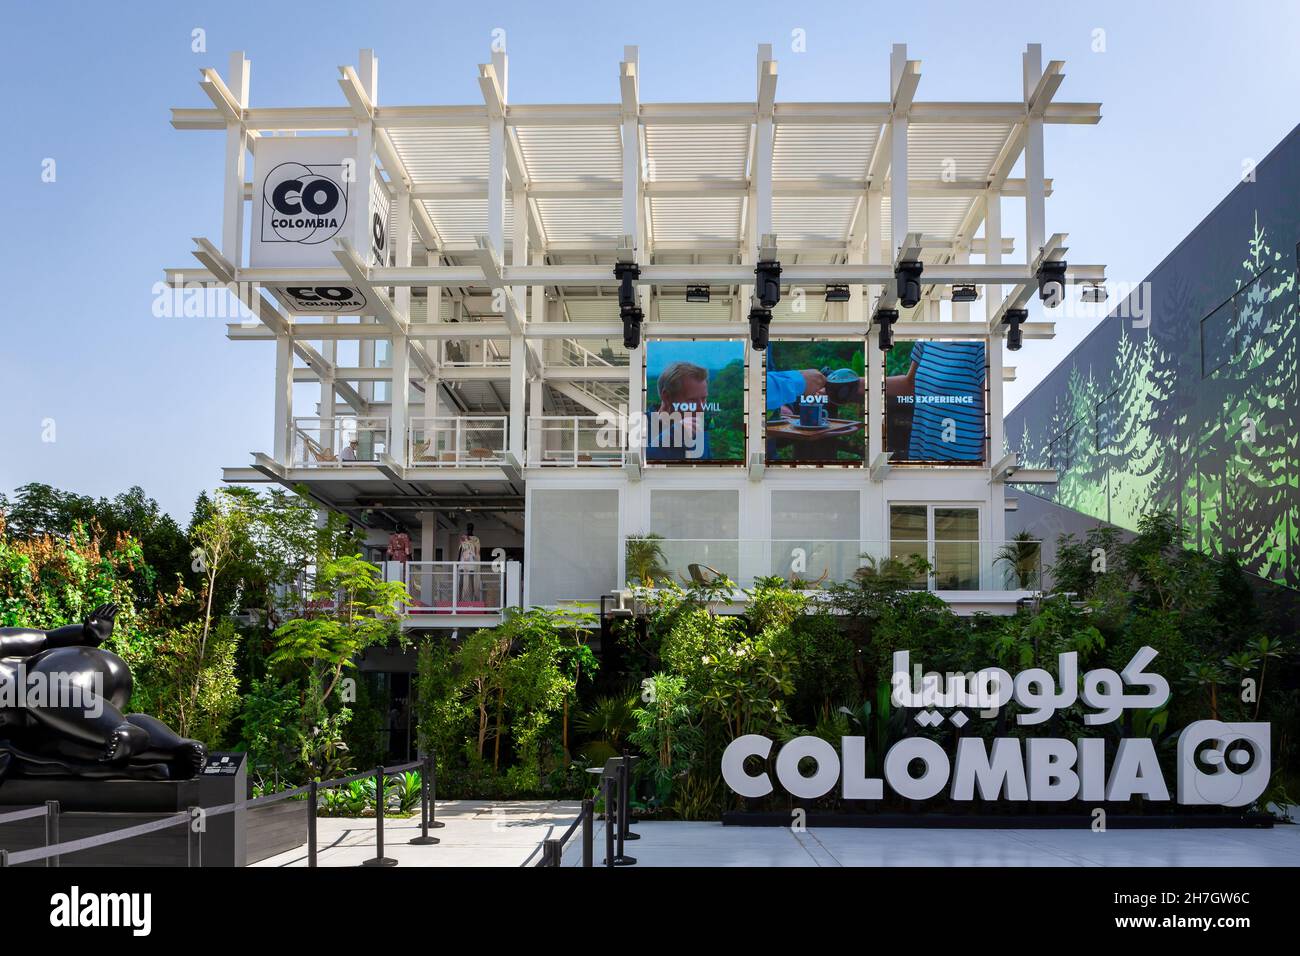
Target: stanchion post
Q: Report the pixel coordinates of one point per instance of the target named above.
(607, 783)
(51, 830)
(434, 823)
(625, 808)
(588, 828)
(313, 807)
(194, 839)
(4, 859)
(425, 807)
(380, 859)
(552, 852)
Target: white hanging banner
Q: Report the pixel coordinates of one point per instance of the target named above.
(305, 194)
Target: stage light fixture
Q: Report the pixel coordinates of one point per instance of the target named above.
(837, 293)
(628, 310)
(1013, 320)
(908, 278)
(964, 293)
(632, 317)
(697, 293)
(759, 320)
(625, 273)
(1094, 292)
(1051, 282)
(767, 283)
(886, 318)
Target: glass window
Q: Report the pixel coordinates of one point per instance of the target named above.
(815, 532)
(946, 537)
(909, 532)
(957, 549)
(699, 527)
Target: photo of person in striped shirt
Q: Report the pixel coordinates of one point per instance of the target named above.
(935, 411)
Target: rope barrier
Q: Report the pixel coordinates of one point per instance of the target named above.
(28, 814)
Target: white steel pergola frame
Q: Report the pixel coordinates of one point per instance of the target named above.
(526, 285)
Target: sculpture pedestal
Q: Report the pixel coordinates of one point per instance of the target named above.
(94, 807)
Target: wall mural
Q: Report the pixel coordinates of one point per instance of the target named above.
(1192, 407)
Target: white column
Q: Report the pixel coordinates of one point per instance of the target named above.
(232, 219)
(518, 376)
(428, 552)
(283, 431)
(897, 158)
(875, 358)
(1035, 196)
(401, 364)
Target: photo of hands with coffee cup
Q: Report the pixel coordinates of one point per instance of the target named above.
(816, 402)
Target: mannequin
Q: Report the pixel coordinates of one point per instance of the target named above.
(399, 545)
(467, 555)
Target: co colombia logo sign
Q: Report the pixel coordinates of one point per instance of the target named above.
(303, 204)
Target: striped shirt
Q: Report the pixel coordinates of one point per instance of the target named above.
(948, 402)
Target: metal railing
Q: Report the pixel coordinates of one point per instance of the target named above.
(574, 441)
(338, 442)
(955, 565)
(455, 587)
(459, 353)
(458, 441)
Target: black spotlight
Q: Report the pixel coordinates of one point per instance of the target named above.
(625, 273)
(886, 318)
(1013, 320)
(628, 311)
(908, 278)
(1051, 283)
(697, 293)
(631, 317)
(964, 293)
(767, 283)
(837, 293)
(759, 320)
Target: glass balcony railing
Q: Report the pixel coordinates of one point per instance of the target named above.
(574, 441)
(935, 564)
(458, 441)
(455, 587)
(338, 442)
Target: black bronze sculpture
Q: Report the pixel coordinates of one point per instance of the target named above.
(75, 726)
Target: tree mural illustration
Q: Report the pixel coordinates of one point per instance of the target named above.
(1199, 419)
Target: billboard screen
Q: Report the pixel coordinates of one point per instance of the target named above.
(695, 401)
(934, 401)
(815, 402)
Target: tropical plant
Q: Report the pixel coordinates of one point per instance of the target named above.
(1023, 555)
(645, 559)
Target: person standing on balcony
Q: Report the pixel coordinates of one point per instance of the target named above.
(350, 451)
(467, 557)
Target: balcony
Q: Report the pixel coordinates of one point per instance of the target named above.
(458, 442)
(339, 442)
(971, 575)
(574, 441)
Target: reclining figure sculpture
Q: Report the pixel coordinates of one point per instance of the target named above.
(73, 726)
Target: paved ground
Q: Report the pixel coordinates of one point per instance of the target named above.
(485, 833)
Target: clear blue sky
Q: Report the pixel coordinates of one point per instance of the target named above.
(1188, 90)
